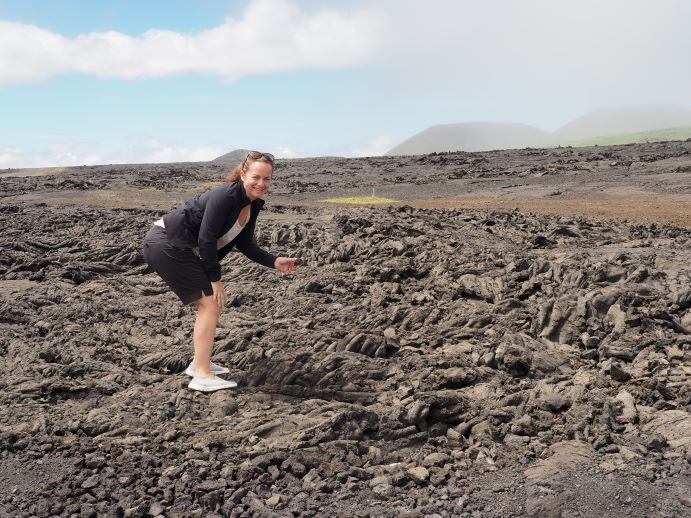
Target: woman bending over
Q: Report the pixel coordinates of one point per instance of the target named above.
(185, 248)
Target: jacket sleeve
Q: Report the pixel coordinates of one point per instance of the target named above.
(209, 230)
(247, 244)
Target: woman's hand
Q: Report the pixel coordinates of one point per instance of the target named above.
(285, 264)
(220, 297)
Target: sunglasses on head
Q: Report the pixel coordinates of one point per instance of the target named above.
(258, 155)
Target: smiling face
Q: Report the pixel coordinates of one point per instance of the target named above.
(257, 178)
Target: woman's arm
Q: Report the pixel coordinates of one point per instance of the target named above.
(247, 244)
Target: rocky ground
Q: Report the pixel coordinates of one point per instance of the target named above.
(491, 361)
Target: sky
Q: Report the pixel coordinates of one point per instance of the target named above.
(131, 81)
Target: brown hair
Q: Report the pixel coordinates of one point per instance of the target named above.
(251, 156)
(234, 175)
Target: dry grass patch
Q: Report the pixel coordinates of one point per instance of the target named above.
(362, 200)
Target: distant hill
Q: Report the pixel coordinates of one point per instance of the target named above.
(623, 119)
(657, 135)
(470, 136)
(231, 159)
(621, 124)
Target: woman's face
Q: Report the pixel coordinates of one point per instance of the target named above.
(257, 179)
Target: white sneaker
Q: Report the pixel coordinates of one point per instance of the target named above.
(215, 369)
(211, 384)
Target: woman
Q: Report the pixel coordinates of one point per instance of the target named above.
(185, 247)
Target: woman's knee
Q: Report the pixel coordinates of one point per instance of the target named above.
(207, 304)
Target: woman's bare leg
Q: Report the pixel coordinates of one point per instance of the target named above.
(204, 332)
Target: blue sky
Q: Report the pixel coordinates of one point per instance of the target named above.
(85, 82)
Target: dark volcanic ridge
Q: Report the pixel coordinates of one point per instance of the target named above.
(419, 363)
(231, 159)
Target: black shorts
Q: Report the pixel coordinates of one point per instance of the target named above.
(179, 267)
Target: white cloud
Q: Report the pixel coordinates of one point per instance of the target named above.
(55, 155)
(286, 152)
(8, 157)
(66, 154)
(272, 35)
(156, 152)
(376, 146)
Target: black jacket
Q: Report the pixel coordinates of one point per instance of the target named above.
(201, 220)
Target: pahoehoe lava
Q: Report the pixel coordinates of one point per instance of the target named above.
(420, 362)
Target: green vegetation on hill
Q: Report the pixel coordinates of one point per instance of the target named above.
(658, 135)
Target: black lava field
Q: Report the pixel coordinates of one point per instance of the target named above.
(419, 363)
